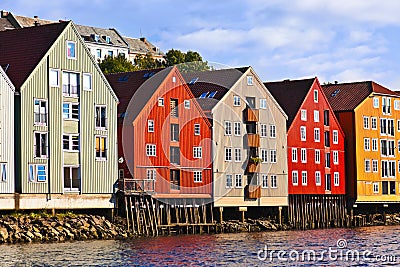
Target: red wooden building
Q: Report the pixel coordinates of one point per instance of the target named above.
(316, 157)
(164, 137)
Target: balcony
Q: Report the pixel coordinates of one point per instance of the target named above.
(252, 191)
(252, 167)
(253, 140)
(137, 185)
(251, 115)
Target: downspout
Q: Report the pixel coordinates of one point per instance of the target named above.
(48, 131)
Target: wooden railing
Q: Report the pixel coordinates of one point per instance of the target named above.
(137, 185)
(251, 115)
(253, 191)
(253, 140)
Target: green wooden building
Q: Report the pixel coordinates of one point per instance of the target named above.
(65, 120)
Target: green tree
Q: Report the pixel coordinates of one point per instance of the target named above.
(116, 64)
(147, 62)
(193, 60)
(174, 57)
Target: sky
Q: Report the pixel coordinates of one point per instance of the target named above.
(341, 40)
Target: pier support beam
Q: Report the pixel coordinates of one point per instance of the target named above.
(221, 216)
(280, 215)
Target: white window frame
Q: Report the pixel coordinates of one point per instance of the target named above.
(237, 128)
(304, 178)
(40, 113)
(228, 181)
(303, 133)
(236, 101)
(375, 166)
(294, 154)
(367, 144)
(336, 179)
(317, 135)
(367, 165)
(303, 155)
(272, 131)
(249, 80)
(238, 181)
(197, 152)
(303, 113)
(263, 103)
(100, 127)
(335, 137)
(228, 154)
(186, 104)
(264, 181)
(335, 155)
(151, 150)
(366, 122)
(71, 113)
(51, 78)
(71, 145)
(197, 176)
(318, 178)
(238, 154)
(295, 178)
(375, 187)
(43, 156)
(264, 155)
(104, 154)
(315, 96)
(274, 181)
(228, 127)
(75, 48)
(160, 102)
(197, 130)
(34, 176)
(374, 123)
(3, 172)
(272, 156)
(317, 156)
(84, 81)
(376, 102)
(263, 130)
(150, 126)
(151, 174)
(316, 115)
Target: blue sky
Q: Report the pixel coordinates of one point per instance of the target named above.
(341, 40)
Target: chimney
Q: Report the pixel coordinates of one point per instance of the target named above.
(143, 39)
(4, 13)
(36, 23)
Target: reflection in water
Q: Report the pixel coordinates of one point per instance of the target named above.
(206, 250)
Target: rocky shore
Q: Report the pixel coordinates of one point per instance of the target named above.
(64, 227)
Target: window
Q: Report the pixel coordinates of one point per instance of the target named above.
(87, 81)
(304, 178)
(386, 105)
(72, 181)
(174, 155)
(366, 144)
(373, 123)
(263, 130)
(327, 160)
(316, 115)
(374, 165)
(274, 183)
(335, 157)
(315, 96)
(228, 181)
(151, 150)
(396, 104)
(336, 179)
(303, 155)
(70, 84)
(328, 182)
(236, 100)
(71, 111)
(173, 103)
(40, 112)
(174, 132)
(197, 152)
(295, 178)
(150, 126)
(304, 115)
(101, 147)
(264, 155)
(98, 53)
(335, 137)
(398, 125)
(40, 145)
(272, 131)
(237, 128)
(71, 142)
(384, 148)
(197, 176)
(294, 154)
(37, 173)
(196, 129)
(327, 142)
(376, 102)
(238, 180)
(151, 174)
(263, 103)
(326, 117)
(228, 128)
(160, 102)
(71, 52)
(101, 117)
(390, 125)
(383, 126)
(249, 80)
(318, 178)
(228, 154)
(367, 165)
(366, 122)
(264, 179)
(238, 154)
(174, 79)
(272, 156)
(121, 174)
(303, 133)
(375, 186)
(3, 172)
(316, 135)
(54, 77)
(186, 104)
(317, 156)
(110, 53)
(108, 39)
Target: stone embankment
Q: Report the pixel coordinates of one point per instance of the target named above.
(33, 228)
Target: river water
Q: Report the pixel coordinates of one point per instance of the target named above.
(376, 246)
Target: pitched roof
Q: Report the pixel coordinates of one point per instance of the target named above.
(290, 94)
(88, 32)
(219, 81)
(21, 56)
(141, 46)
(127, 84)
(347, 96)
(5, 24)
(31, 22)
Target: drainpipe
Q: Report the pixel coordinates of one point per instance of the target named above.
(48, 131)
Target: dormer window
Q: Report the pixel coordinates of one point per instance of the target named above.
(96, 38)
(108, 39)
(249, 80)
(71, 52)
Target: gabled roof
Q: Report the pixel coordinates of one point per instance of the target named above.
(22, 56)
(88, 32)
(290, 94)
(219, 81)
(347, 96)
(31, 22)
(141, 46)
(126, 84)
(5, 25)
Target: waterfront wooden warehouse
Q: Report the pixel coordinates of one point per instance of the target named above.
(7, 174)
(370, 117)
(65, 120)
(165, 148)
(316, 157)
(249, 136)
